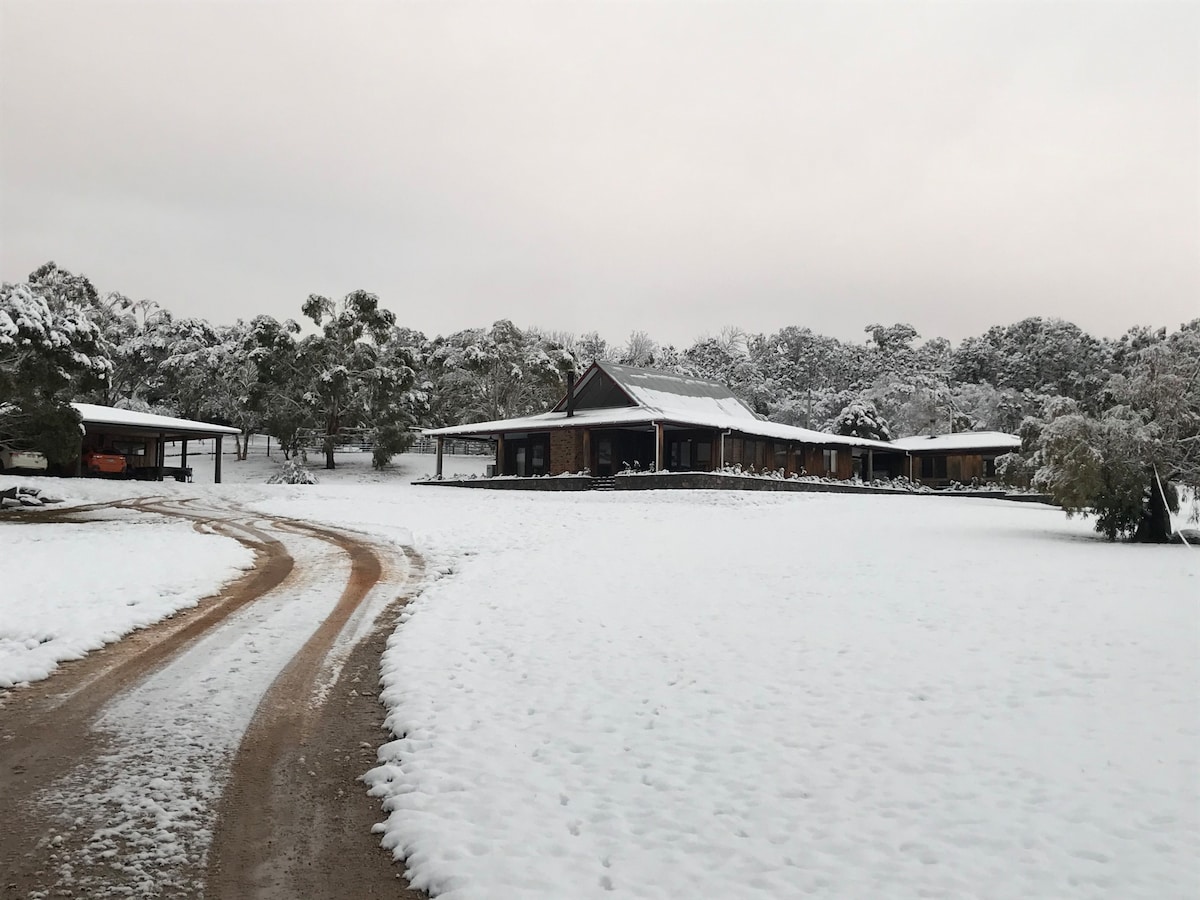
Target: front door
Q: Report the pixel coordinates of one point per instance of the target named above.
(604, 456)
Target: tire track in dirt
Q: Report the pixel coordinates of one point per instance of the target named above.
(46, 728)
(294, 819)
(277, 835)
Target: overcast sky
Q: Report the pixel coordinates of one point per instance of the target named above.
(669, 167)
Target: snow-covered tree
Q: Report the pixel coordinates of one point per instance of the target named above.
(47, 344)
(1124, 464)
(639, 350)
(128, 329)
(353, 378)
(482, 374)
(1047, 356)
(863, 420)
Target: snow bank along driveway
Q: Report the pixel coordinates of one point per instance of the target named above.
(728, 695)
(71, 588)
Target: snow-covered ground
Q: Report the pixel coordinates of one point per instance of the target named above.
(739, 695)
(72, 588)
(669, 694)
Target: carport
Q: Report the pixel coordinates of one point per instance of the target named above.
(141, 439)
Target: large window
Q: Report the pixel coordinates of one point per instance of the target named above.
(755, 454)
(527, 455)
(688, 452)
(829, 458)
(933, 466)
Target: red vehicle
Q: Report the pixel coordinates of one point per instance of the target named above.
(96, 462)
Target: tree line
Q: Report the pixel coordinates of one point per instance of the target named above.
(1108, 425)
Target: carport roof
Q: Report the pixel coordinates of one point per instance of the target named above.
(169, 426)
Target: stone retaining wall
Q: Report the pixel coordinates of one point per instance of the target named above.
(579, 483)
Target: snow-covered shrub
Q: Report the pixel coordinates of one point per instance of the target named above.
(292, 472)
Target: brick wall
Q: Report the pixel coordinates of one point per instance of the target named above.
(566, 450)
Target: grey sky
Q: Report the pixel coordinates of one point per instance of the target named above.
(669, 167)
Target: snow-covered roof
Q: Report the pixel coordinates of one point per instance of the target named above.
(671, 394)
(128, 418)
(636, 415)
(963, 440)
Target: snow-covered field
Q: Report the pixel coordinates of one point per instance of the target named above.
(70, 588)
(742, 695)
(776, 695)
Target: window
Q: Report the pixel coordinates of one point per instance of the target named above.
(704, 454)
(129, 448)
(933, 467)
(830, 460)
(679, 453)
(989, 467)
(755, 454)
(781, 456)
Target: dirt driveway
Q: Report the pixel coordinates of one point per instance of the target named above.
(217, 753)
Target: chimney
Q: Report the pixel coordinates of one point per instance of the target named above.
(570, 393)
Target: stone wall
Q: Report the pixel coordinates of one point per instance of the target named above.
(701, 481)
(516, 484)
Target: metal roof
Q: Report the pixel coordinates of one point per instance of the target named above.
(166, 425)
(668, 391)
(961, 440)
(628, 416)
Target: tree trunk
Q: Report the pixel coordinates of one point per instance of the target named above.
(332, 427)
(1155, 527)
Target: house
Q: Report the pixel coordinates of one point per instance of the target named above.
(133, 444)
(937, 460)
(617, 417)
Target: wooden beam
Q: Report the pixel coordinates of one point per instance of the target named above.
(440, 444)
(658, 446)
(499, 454)
(217, 463)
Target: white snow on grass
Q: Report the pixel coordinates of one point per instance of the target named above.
(744, 695)
(69, 589)
(676, 694)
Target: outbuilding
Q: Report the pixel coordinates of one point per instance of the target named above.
(134, 443)
(938, 460)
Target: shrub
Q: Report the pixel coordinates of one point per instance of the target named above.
(291, 472)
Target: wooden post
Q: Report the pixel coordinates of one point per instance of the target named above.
(183, 454)
(268, 446)
(499, 454)
(870, 464)
(658, 446)
(587, 451)
(440, 442)
(160, 457)
(217, 464)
